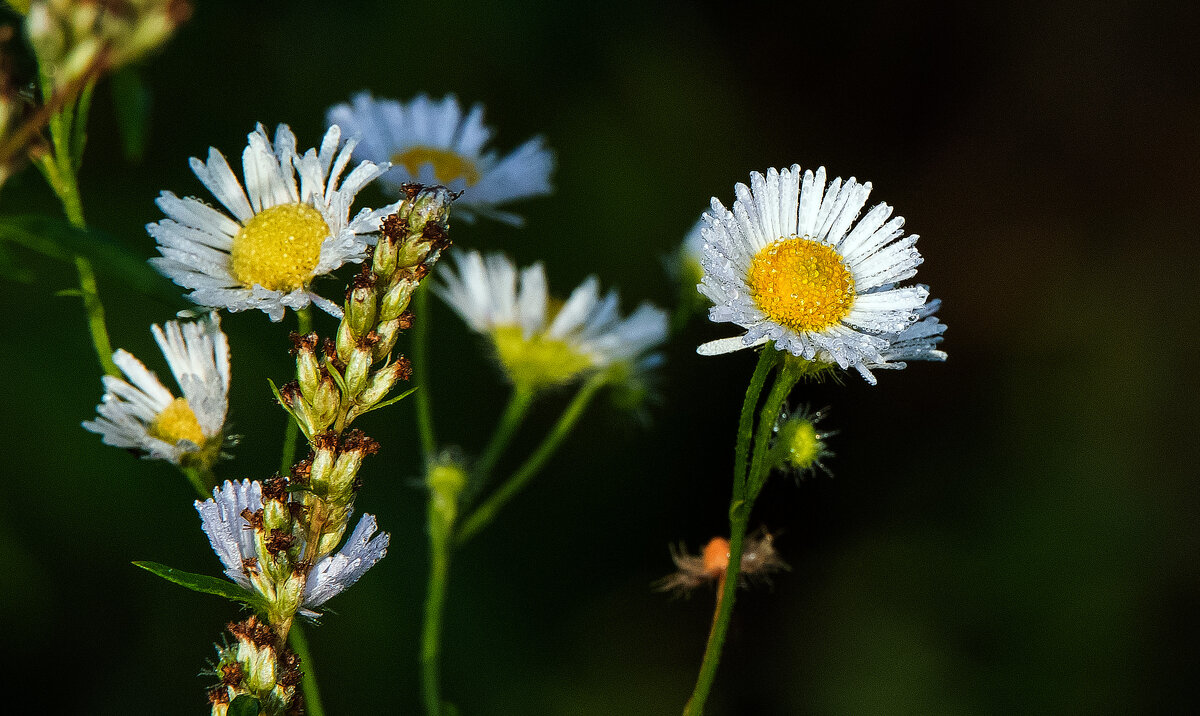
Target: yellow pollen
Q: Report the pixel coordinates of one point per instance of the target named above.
(447, 165)
(177, 422)
(537, 361)
(279, 248)
(801, 284)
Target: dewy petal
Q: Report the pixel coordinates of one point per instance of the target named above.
(334, 574)
(228, 531)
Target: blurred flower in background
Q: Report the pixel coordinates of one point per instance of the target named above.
(432, 142)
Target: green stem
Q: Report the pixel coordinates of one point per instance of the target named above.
(740, 507)
(290, 434)
(441, 526)
(94, 309)
(510, 421)
(420, 357)
(308, 682)
(201, 479)
(485, 513)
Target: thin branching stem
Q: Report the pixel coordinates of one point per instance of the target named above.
(312, 695)
(485, 513)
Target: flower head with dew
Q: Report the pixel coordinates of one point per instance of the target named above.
(436, 142)
(247, 554)
(140, 414)
(279, 233)
(793, 263)
(759, 562)
(541, 342)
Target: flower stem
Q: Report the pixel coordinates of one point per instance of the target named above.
(483, 515)
(201, 479)
(312, 695)
(740, 507)
(514, 413)
(420, 359)
(292, 431)
(94, 309)
(441, 527)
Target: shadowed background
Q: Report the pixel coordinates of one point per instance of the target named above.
(1011, 531)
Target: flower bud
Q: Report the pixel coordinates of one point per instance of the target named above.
(382, 381)
(798, 445)
(383, 262)
(308, 367)
(396, 299)
(346, 342)
(430, 206)
(326, 404)
(323, 458)
(360, 305)
(357, 370)
(388, 333)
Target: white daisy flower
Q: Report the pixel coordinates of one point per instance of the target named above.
(140, 414)
(435, 142)
(278, 235)
(538, 341)
(790, 264)
(235, 542)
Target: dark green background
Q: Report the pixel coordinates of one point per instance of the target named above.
(1013, 531)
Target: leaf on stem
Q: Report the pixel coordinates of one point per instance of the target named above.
(131, 97)
(57, 239)
(206, 585)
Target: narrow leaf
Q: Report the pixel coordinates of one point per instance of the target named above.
(205, 584)
(390, 401)
(57, 239)
(132, 99)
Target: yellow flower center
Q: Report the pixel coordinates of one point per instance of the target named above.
(801, 284)
(538, 361)
(177, 422)
(279, 248)
(447, 165)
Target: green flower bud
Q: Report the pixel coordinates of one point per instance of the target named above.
(358, 370)
(396, 299)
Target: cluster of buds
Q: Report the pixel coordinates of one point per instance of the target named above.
(257, 666)
(78, 39)
(357, 370)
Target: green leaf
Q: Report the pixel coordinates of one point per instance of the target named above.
(206, 585)
(11, 270)
(79, 125)
(58, 240)
(132, 99)
(244, 705)
(390, 401)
